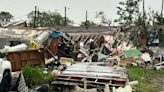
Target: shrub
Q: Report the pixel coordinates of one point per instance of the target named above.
(34, 76)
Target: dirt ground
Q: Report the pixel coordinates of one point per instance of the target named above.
(158, 81)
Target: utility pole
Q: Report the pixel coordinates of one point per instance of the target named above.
(86, 21)
(65, 18)
(35, 17)
(143, 10)
(144, 15)
(162, 11)
(38, 14)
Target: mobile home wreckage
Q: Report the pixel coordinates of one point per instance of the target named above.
(93, 75)
(80, 58)
(23, 46)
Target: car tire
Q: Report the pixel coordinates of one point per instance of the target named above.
(5, 83)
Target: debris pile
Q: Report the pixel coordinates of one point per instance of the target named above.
(82, 61)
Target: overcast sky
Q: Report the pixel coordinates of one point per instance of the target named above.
(76, 8)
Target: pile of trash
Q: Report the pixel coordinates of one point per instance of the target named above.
(92, 61)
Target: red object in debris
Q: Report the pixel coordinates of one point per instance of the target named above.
(143, 41)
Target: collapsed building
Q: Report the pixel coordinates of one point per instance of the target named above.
(23, 46)
(100, 66)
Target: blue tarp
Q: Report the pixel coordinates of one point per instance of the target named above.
(56, 34)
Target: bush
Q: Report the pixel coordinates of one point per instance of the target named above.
(34, 76)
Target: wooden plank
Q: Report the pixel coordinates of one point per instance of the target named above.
(24, 56)
(20, 59)
(18, 65)
(87, 39)
(96, 80)
(64, 82)
(79, 37)
(111, 78)
(98, 37)
(33, 55)
(16, 56)
(94, 74)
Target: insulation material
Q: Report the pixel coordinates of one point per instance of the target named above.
(56, 72)
(8, 31)
(106, 89)
(109, 39)
(125, 89)
(42, 37)
(49, 60)
(126, 46)
(20, 47)
(81, 44)
(146, 57)
(108, 46)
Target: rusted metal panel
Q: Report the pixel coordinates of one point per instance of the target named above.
(20, 59)
(53, 47)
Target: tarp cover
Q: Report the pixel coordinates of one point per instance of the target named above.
(55, 35)
(132, 53)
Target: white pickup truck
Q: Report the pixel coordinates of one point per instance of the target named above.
(5, 74)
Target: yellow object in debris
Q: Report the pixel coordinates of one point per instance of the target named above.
(66, 61)
(34, 45)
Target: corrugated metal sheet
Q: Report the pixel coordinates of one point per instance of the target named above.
(92, 75)
(95, 69)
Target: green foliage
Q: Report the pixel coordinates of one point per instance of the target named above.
(48, 19)
(144, 77)
(158, 19)
(34, 76)
(88, 23)
(5, 17)
(128, 11)
(104, 19)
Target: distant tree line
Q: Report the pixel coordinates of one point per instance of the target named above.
(48, 19)
(128, 12)
(5, 17)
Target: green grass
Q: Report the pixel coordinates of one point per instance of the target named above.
(144, 77)
(34, 76)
